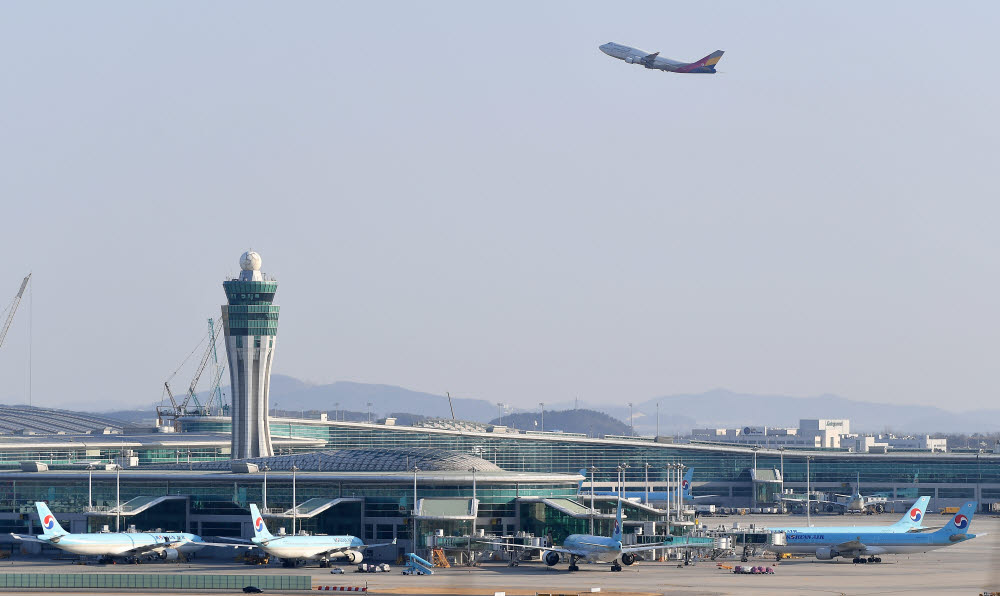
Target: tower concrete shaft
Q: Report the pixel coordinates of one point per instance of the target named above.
(251, 326)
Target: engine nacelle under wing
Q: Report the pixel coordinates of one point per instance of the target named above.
(628, 559)
(169, 554)
(825, 553)
(354, 556)
(550, 558)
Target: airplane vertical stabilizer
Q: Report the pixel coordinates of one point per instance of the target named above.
(960, 523)
(50, 527)
(260, 531)
(686, 483)
(913, 517)
(617, 533)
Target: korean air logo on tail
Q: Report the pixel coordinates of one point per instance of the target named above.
(685, 483)
(617, 527)
(916, 515)
(259, 524)
(961, 522)
(49, 522)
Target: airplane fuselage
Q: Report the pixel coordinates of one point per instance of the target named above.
(632, 55)
(596, 549)
(875, 543)
(117, 544)
(310, 547)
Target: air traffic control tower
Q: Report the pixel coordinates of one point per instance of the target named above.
(251, 326)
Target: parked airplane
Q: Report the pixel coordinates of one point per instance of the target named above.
(852, 503)
(166, 545)
(596, 549)
(654, 61)
(292, 549)
(866, 547)
(910, 522)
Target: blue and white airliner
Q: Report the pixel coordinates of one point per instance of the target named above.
(596, 549)
(866, 547)
(293, 549)
(166, 545)
(910, 522)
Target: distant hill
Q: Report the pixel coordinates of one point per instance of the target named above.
(678, 414)
(588, 422)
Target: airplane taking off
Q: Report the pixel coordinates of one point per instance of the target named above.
(596, 549)
(655, 62)
(292, 549)
(910, 522)
(166, 545)
(865, 547)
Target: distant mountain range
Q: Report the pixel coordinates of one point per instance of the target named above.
(587, 422)
(678, 414)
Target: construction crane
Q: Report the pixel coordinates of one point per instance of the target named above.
(13, 309)
(176, 410)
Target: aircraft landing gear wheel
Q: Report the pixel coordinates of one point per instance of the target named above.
(615, 566)
(856, 560)
(878, 559)
(574, 567)
(871, 559)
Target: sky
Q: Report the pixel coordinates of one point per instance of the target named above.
(471, 197)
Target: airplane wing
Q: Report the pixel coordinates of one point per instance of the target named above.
(146, 548)
(658, 546)
(28, 538)
(228, 539)
(648, 59)
(851, 547)
(228, 544)
(557, 549)
(378, 545)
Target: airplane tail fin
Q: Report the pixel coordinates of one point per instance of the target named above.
(960, 523)
(686, 483)
(260, 531)
(50, 527)
(706, 64)
(914, 515)
(617, 533)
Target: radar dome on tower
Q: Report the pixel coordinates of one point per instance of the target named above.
(250, 261)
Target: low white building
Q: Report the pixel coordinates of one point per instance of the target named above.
(818, 433)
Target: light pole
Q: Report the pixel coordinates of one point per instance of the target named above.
(189, 459)
(646, 482)
(336, 410)
(542, 406)
(657, 418)
(593, 471)
(808, 493)
(500, 412)
(264, 496)
(781, 503)
(118, 496)
(415, 533)
(90, 487)
(295, 502)
(631, 424)
(680, 492)
(753, 476)
(473, 511)
(670, 478)
(369, 412)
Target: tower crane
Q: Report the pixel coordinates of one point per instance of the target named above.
(13, 309)
(176, 410)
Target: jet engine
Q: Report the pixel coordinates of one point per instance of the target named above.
(354, 556)
(551, 558)
(631, 59)
(628, 559)
(826, 553)
(169, 554)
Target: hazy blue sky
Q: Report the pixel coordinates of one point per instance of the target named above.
(470, 197)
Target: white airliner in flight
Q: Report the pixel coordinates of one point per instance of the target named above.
(292, 549)
(596, 549)
(166, 545)
(653, 61)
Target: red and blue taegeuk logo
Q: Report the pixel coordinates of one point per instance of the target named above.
(259, 524)
(684, 483)
(49, 522)
(915, 514)
(961, 521)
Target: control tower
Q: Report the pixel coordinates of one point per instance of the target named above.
(251, 325)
